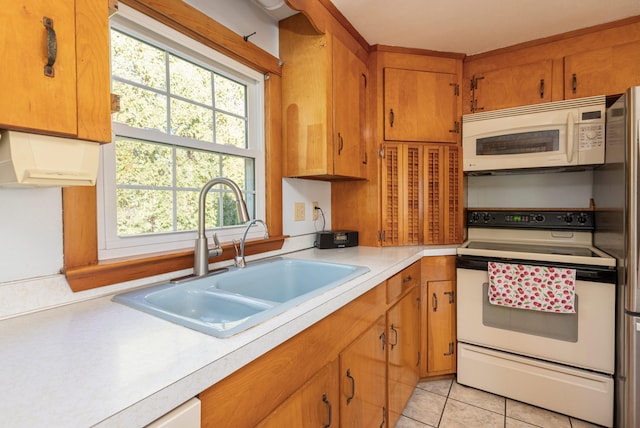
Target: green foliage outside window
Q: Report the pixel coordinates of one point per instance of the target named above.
(157, 184)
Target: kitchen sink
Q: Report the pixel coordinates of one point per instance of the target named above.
(228, 303)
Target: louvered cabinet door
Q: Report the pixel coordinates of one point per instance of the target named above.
(442, 195)
(401, 188)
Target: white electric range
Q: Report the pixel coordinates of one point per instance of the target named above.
(559, 361)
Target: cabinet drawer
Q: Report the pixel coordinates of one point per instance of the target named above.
(403, 281)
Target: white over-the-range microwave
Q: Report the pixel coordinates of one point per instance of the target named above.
(559, 134)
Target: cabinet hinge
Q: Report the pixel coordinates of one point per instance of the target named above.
(456, 128)
(450, 293)
(381, 235)
(456, 89)
(474, 82)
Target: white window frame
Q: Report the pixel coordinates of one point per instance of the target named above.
(110, 245)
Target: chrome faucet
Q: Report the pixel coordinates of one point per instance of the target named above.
(239, 260)
(201, 252)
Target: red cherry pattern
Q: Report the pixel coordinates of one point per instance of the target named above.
(538, 288)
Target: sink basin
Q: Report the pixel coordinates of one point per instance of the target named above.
(229, 303)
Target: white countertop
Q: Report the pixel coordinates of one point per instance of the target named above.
(102, 363)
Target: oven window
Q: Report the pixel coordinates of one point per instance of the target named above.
(546, 324)
(524, 142)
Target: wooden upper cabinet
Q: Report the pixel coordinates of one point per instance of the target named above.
(606, 71)
(323, 95)
(56, 74)
(401, 188)
(511, 86)
(443, 199)
(420, 106)
(349, 111)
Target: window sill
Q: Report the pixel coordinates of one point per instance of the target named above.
(122, 270)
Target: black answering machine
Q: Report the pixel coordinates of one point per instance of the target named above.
(337, 239)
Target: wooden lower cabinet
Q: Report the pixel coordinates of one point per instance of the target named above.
(316, 404)
(363, 380)
(441, 341)
(438, 315)
(403, 352)
(355, 368)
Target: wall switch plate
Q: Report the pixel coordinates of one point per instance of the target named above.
(298, 213)
(314, 211)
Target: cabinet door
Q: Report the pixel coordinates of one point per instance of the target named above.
(363, 379)
(403, 352)
(30, 99)
(349, 79)
(441, 319)
(604, 71)
(401, 188)
(420, 106)
(313, 405)
(512, 86)
(443, 195)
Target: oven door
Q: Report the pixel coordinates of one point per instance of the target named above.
(584, 339)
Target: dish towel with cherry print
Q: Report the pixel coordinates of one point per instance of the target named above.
(539, 288)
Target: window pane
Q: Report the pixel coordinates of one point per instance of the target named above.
(230, 210)
(142, 163)
(234, 167)
(136, 61)
(187, 210)
(230, 96)
(190, 81)
(144, 211)
(195, 167)
(140, 108)
(191, 121)
(230, 130)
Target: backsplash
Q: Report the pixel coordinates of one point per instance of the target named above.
(544, 190)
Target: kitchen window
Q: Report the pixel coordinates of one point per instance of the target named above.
(188, 114)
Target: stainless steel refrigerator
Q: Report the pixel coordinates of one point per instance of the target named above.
(615, 192)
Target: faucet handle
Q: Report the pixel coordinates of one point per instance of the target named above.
(216, 242)
(238, 260)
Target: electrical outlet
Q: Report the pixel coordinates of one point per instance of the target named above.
(314, 211)
(298, 213)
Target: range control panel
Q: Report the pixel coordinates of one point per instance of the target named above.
(573, 220)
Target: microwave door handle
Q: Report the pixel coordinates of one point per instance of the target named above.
(569, 137)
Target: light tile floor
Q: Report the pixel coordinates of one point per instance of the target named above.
(446, 404)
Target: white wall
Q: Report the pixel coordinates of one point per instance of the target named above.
(30, 233)
(544, 190)
(243, 17)
(305, 191)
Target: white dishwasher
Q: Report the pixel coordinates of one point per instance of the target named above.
(186, 415)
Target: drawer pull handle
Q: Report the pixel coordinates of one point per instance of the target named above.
(52, 47)
(328, 404)
(393, 329)
(435, 303)
(353, 386)
(407, 279)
